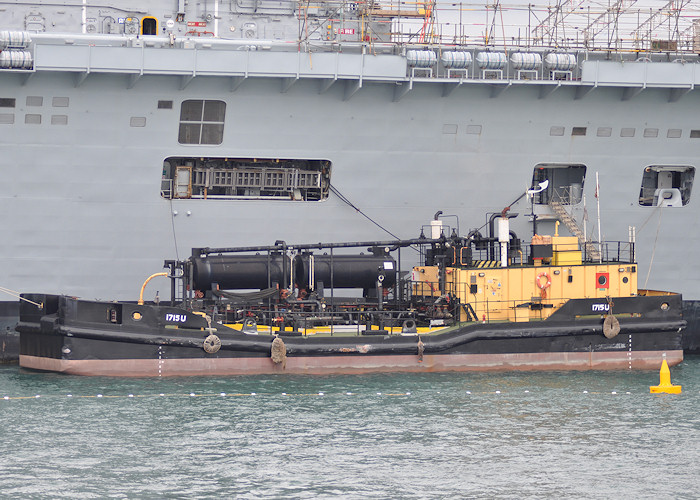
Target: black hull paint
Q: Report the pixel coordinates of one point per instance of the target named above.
(68, 334)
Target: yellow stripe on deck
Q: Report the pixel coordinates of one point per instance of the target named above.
(487, 264)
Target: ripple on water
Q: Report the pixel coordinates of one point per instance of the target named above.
(394, 435)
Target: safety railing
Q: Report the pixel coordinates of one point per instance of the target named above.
(670, 29)
(488, 254)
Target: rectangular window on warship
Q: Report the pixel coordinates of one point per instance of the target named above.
(7, 102)
(666, 186)
(202, 122)
(556, 130)
(565, 183)
(245, 178)
(35, 100)
(60, 102)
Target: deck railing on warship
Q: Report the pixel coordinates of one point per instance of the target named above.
(642, 26)
(452, 40)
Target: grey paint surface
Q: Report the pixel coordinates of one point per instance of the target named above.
(82, 212)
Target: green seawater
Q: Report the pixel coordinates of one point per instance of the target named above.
(504, 435)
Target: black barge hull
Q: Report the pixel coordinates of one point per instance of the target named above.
(79, 337)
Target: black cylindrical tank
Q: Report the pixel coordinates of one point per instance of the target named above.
(349, 271)
(240, 272)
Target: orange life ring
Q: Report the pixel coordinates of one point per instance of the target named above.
(539, 281)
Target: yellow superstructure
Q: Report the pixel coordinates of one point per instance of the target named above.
(528, 292)
(566, 251)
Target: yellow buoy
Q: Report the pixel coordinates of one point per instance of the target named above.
(665, 385)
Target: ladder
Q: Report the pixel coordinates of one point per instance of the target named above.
(574, 228)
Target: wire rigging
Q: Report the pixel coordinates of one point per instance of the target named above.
(653, 250)
(342, 197)
(172, 220)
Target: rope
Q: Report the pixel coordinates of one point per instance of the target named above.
(653, 212)
(653, 250)
(335, 191)
(611, 325)
(17, 295)
(172, 221)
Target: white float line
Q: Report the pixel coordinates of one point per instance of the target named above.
(272, 394)
(192, 395)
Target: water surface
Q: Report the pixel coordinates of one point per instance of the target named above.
(544, 435)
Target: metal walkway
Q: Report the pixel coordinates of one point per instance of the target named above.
(573, 227)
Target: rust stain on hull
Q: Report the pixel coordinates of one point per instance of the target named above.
(327, 365)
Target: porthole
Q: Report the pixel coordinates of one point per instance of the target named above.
(664, 306)
(602, 280)
(136, 316)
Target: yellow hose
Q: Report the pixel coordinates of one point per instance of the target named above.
(143, 287)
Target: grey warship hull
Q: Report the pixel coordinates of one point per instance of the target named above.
(94, 127)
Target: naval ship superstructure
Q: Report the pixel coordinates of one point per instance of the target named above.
(130, 135)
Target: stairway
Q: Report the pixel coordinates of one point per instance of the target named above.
(571, 224)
